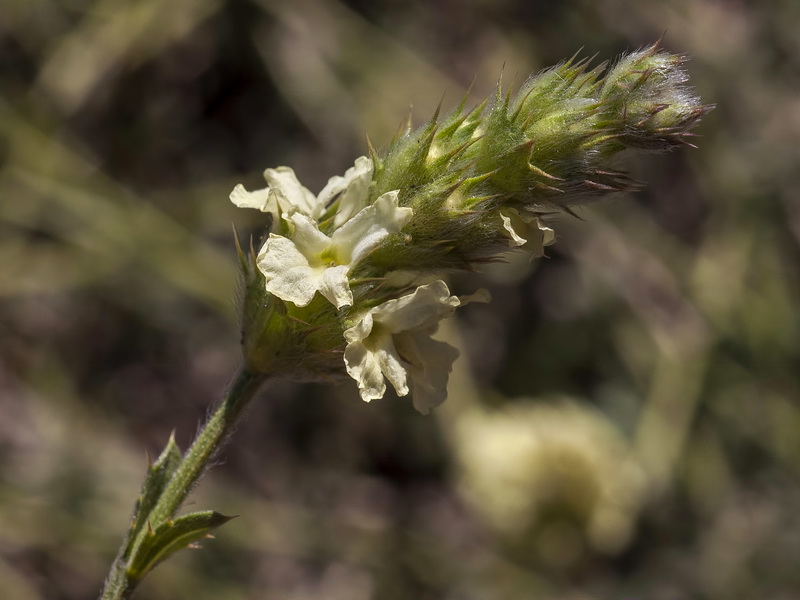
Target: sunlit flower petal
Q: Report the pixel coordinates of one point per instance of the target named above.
(351, 191)
(363, 365)
(307, 236)
(370, 227)
(287, 271)
(290, 192)
(428, 305)
(261, 200)
(285, 195)
(335, 286)
(511, 222)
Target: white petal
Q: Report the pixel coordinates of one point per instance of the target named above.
(307, 236)
(511, 223)
(391, 365)
(395, 336)
(259, 199)
(363, 366)
(429, 363)
(369, 359)
(528, 231)
(319, 270)
(352, 190)
(369, 227)
(359, 331)
(335, 286)
(428, 305)
(287, 271)
(539, 236)
(291, 193)
(548, 235)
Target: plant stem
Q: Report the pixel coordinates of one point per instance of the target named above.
(209, 442)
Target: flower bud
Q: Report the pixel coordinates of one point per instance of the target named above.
(647, 92)
(550, 147)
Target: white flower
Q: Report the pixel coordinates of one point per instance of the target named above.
(393, 340)
(296, 268)
(526, 230)
(286, 195)
(352, 190)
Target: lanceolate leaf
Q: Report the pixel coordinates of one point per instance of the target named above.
(158, 475)
(170, 537)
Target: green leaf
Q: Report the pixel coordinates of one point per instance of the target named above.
(170, 537)
(158, 475)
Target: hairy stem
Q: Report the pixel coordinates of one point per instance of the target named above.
(210, 440)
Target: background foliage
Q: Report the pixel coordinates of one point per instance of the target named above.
(625, 423)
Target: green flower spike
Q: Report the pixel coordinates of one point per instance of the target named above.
(473, 184)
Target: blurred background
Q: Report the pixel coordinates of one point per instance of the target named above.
(625, 419)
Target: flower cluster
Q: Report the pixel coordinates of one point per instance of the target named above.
(322, 237)
(349, 280)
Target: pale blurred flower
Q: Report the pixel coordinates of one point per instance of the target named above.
(309, 261)
(520, 461)
(393, 340)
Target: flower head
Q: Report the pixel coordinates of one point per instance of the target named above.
(461, 189)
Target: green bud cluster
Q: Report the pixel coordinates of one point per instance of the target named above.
(550, 147)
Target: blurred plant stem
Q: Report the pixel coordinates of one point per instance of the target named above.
(153, 534)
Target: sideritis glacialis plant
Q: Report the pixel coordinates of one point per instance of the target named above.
(347, 283)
